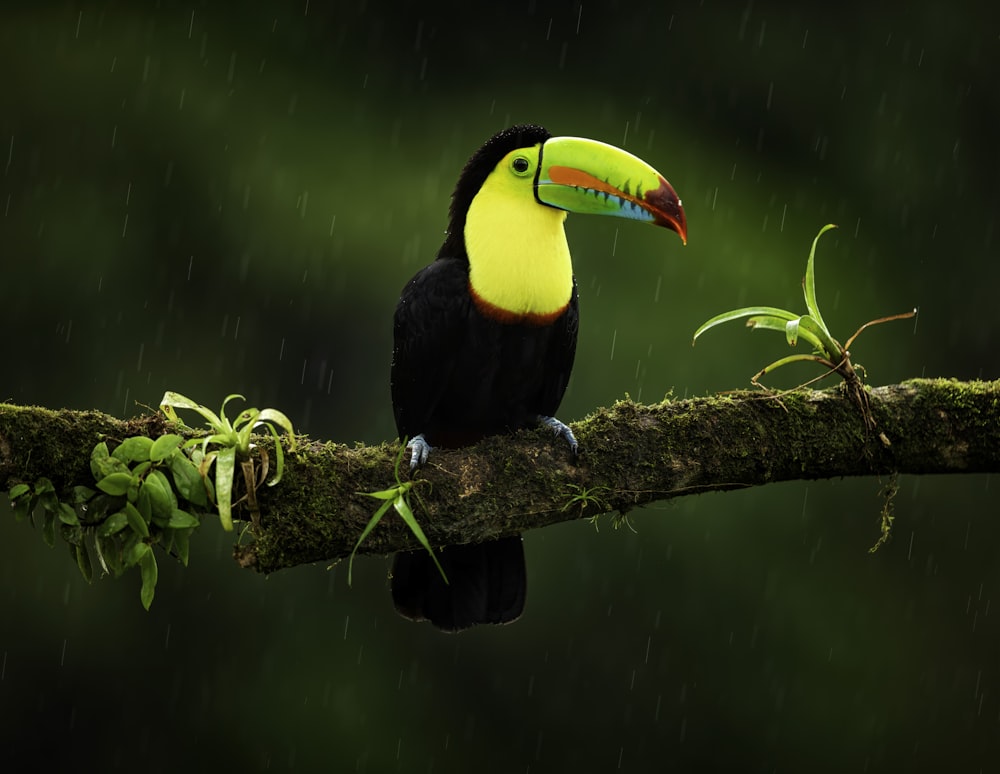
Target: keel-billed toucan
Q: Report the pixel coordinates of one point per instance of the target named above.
(485, 335)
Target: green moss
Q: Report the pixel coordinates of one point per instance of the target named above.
(629, 452)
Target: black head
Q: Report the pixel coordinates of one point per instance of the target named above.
(476, 170)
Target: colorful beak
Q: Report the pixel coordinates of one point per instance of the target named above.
(590, 177)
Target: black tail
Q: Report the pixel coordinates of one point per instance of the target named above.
(487, 583)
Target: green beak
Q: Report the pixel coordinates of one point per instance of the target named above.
(591, 177)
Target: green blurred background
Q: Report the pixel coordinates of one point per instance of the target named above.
(217, 198)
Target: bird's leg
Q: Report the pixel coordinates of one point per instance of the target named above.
(419, 451)
(561, 430)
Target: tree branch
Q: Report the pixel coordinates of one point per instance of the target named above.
(630, 455)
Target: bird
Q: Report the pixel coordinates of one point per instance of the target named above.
(484, 337)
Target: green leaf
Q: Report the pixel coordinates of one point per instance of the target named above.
(102, 464)
(403, 509)
(149, 572)
(182, 544)
(279, 468)
(270, 415)
(81, 494)
(205, 467)
(97, 456)
(809, 281)
(376, 517)
(225, 470)
(242, 440)
(135, 520)
(83, 562)
(144, 504)
(164, 446)
(115, 523)
(49, 528)
(248, 415)
(165, 538)
(384, 494)
(71, 534)
(737, 314)
(67, 515)
(174, 400)
(209, 490)
(222, 439)
(108, 554)
(99, 507)
(22, 501)
(279, 453)
(48, 500)
(115, 483)
(785, 361)
(43, 486)
(132, 493)
(135, 549)
(792, 331)
(183, 520)
(822, 340)
(161, 496)
(775, 324)
(24, 506)
(187, 479)
(766, 323)
(396, 497)
(222, 413)
(134, 449)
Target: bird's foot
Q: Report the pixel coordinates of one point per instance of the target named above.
(419, 451)
(561, 430)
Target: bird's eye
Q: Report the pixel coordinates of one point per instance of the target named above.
(520, 165)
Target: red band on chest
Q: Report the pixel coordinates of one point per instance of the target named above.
(507, 317)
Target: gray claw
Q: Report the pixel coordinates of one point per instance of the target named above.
(561, 430)
(419, 451)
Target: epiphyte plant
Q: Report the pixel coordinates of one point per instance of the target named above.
(810, 327)
(229, 442)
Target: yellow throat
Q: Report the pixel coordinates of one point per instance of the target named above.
(519, 263)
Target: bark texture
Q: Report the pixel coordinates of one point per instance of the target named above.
(631, 454)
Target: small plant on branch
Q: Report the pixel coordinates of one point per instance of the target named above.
(152, 492)
(398, 498)
(148, 493)
(230, 442)
(811, 328)
(826, 350)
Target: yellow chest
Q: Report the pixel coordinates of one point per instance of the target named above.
(519, 261)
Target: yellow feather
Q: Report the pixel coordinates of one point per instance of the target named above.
(519, 260)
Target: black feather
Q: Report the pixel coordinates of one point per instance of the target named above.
(457, 377)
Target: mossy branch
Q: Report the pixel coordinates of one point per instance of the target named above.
(631, 454)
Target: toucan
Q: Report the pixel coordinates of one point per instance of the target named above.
(485, 335)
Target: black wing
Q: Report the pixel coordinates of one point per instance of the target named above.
(560, 355)
(427, 329)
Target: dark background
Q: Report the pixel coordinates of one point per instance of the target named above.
(217, 198)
